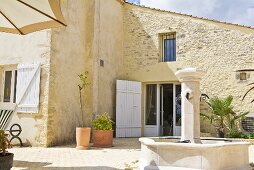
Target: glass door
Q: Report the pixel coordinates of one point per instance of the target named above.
(177, 110)
(166, 109)
(162, 112)
(151, 110)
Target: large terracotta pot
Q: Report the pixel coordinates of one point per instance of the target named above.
(83, 137)
(6, 161)
(103, 138)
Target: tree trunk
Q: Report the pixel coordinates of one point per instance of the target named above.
(221, 133)
(81, 107)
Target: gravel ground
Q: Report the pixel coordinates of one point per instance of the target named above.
(124, 155)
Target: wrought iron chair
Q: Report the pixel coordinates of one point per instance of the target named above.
(7, 111)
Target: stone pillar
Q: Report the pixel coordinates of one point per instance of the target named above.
(190, 98)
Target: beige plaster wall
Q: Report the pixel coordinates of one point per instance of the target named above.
(32, 48)
(216, 48)
(154, 73)
(71, 55)
(110, 49)
(93, 33)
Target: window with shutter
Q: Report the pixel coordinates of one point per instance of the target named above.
(28, 88)
(9, 79)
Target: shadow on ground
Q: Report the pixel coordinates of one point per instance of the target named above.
(119, 143)
(25, 165)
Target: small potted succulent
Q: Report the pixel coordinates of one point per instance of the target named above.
(6, 158)
(103, 131)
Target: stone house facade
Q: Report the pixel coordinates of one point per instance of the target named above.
(114, 40)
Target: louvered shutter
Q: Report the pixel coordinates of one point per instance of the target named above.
(28, 88)
(128, 109)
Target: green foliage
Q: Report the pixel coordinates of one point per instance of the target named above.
(83, 78)
(4, 143)
(103, 122)
(237, 134)
(222, 115)
(249, 136)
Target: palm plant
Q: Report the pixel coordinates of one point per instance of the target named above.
(222, 116)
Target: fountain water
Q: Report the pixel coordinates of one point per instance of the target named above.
(191, 151)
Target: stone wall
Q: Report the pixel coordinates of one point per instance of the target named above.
(217, 48)
(115, 44)
(28, 49)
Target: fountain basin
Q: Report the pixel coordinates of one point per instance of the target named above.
(211, 154)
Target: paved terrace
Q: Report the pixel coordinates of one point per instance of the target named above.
(124, 155)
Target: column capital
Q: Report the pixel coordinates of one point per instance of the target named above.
(189, 74)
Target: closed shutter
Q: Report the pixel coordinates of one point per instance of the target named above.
(28, 88)
(128, 109)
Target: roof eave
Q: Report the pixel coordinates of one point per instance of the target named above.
(188, 15)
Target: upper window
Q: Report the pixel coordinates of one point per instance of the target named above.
(168, 47)
(9, 86)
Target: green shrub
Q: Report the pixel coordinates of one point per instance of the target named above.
(249, 136)
(4, 143)
(235, 134)
(103, 122)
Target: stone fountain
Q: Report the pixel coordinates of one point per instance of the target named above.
(190, 151)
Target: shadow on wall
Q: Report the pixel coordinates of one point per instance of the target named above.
(140, 48)
(42, 166)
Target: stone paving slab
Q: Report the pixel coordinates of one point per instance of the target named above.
(124, 155)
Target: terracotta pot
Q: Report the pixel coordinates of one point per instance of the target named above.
(83, 138)
(6, 161)
(103, 138)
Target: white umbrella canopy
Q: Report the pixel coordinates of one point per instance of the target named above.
(26, 16)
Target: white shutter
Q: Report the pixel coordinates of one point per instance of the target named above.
(128, 109)
(28, 88)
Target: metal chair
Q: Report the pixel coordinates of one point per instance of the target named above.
(7, 111)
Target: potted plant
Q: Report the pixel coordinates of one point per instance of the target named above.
(82, 133)
(6, 158)
(103, 133)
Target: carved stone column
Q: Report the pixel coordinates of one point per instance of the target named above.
(190, 98)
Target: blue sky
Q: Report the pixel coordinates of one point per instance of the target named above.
(234, 11)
